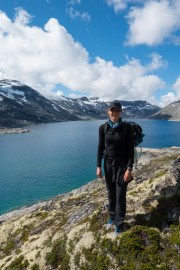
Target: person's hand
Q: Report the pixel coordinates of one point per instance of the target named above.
(99, 172)
(128, 176)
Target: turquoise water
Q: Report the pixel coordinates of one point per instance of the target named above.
(57, 158)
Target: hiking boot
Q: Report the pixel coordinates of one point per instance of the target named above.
(118, 230)
(110, 223)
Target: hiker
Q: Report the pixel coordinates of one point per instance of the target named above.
(116, 147)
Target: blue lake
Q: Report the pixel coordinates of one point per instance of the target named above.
(59, 157)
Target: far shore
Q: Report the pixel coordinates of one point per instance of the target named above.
(4, 131)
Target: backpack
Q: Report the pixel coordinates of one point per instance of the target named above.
(138, 138)
(138, 134)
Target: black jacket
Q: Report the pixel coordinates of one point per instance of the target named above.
(116, 143)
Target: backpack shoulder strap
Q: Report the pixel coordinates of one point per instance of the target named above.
(106, 127)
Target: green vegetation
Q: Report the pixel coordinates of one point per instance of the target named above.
(93, 260)
(58, 255)
(140, 248)
(18, 264)
(97, 220)
(35, 267)
(10, 244)
(174, 236)
(25, 232)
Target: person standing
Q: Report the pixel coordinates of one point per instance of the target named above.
(116, 147)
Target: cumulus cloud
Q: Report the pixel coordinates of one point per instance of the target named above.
(171, 96)
(153, 23)
(46, 57)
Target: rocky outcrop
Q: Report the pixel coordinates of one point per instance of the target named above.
(13, 131)
(69, 232)
(170, 112)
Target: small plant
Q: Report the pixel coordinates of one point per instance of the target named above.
(35, 267)
(58, 255)
(175, 235)
(8, 247)
(18, 264)
(94, 259)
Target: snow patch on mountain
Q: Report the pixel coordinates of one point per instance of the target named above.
(9, 92)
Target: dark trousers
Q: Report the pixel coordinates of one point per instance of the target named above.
(116, 194)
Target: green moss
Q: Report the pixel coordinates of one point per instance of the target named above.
(160, 173)
(151, 180)
(10, 244)
(174, 237)
(35, 267)
(71, 245)
(157, 175)
(44, 215)
(48, 242)
(58, 255)
(133, 193)
(18, 264)
(77, 259)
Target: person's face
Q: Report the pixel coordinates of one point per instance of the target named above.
(114, 114)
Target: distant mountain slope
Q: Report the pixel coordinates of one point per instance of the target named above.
(20, 105)
(170, 112)
(138, 109)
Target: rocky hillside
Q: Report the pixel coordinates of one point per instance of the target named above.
(20, 105)
(69, 232)
(170, 112)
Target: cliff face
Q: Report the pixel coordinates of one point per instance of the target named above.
(69, 232)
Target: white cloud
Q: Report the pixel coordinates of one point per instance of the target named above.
(154, 22)
(171, 96)
(22, 16)
(46, 57)
(157, 62)
(74, 2)
(121, 4)
(176, 87)
(167, 99)
(75, 14)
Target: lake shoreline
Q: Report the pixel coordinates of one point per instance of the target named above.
(20, 130)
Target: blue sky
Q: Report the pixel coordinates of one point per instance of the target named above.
(113, 49)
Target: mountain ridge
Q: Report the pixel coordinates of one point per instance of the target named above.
(20, 106)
